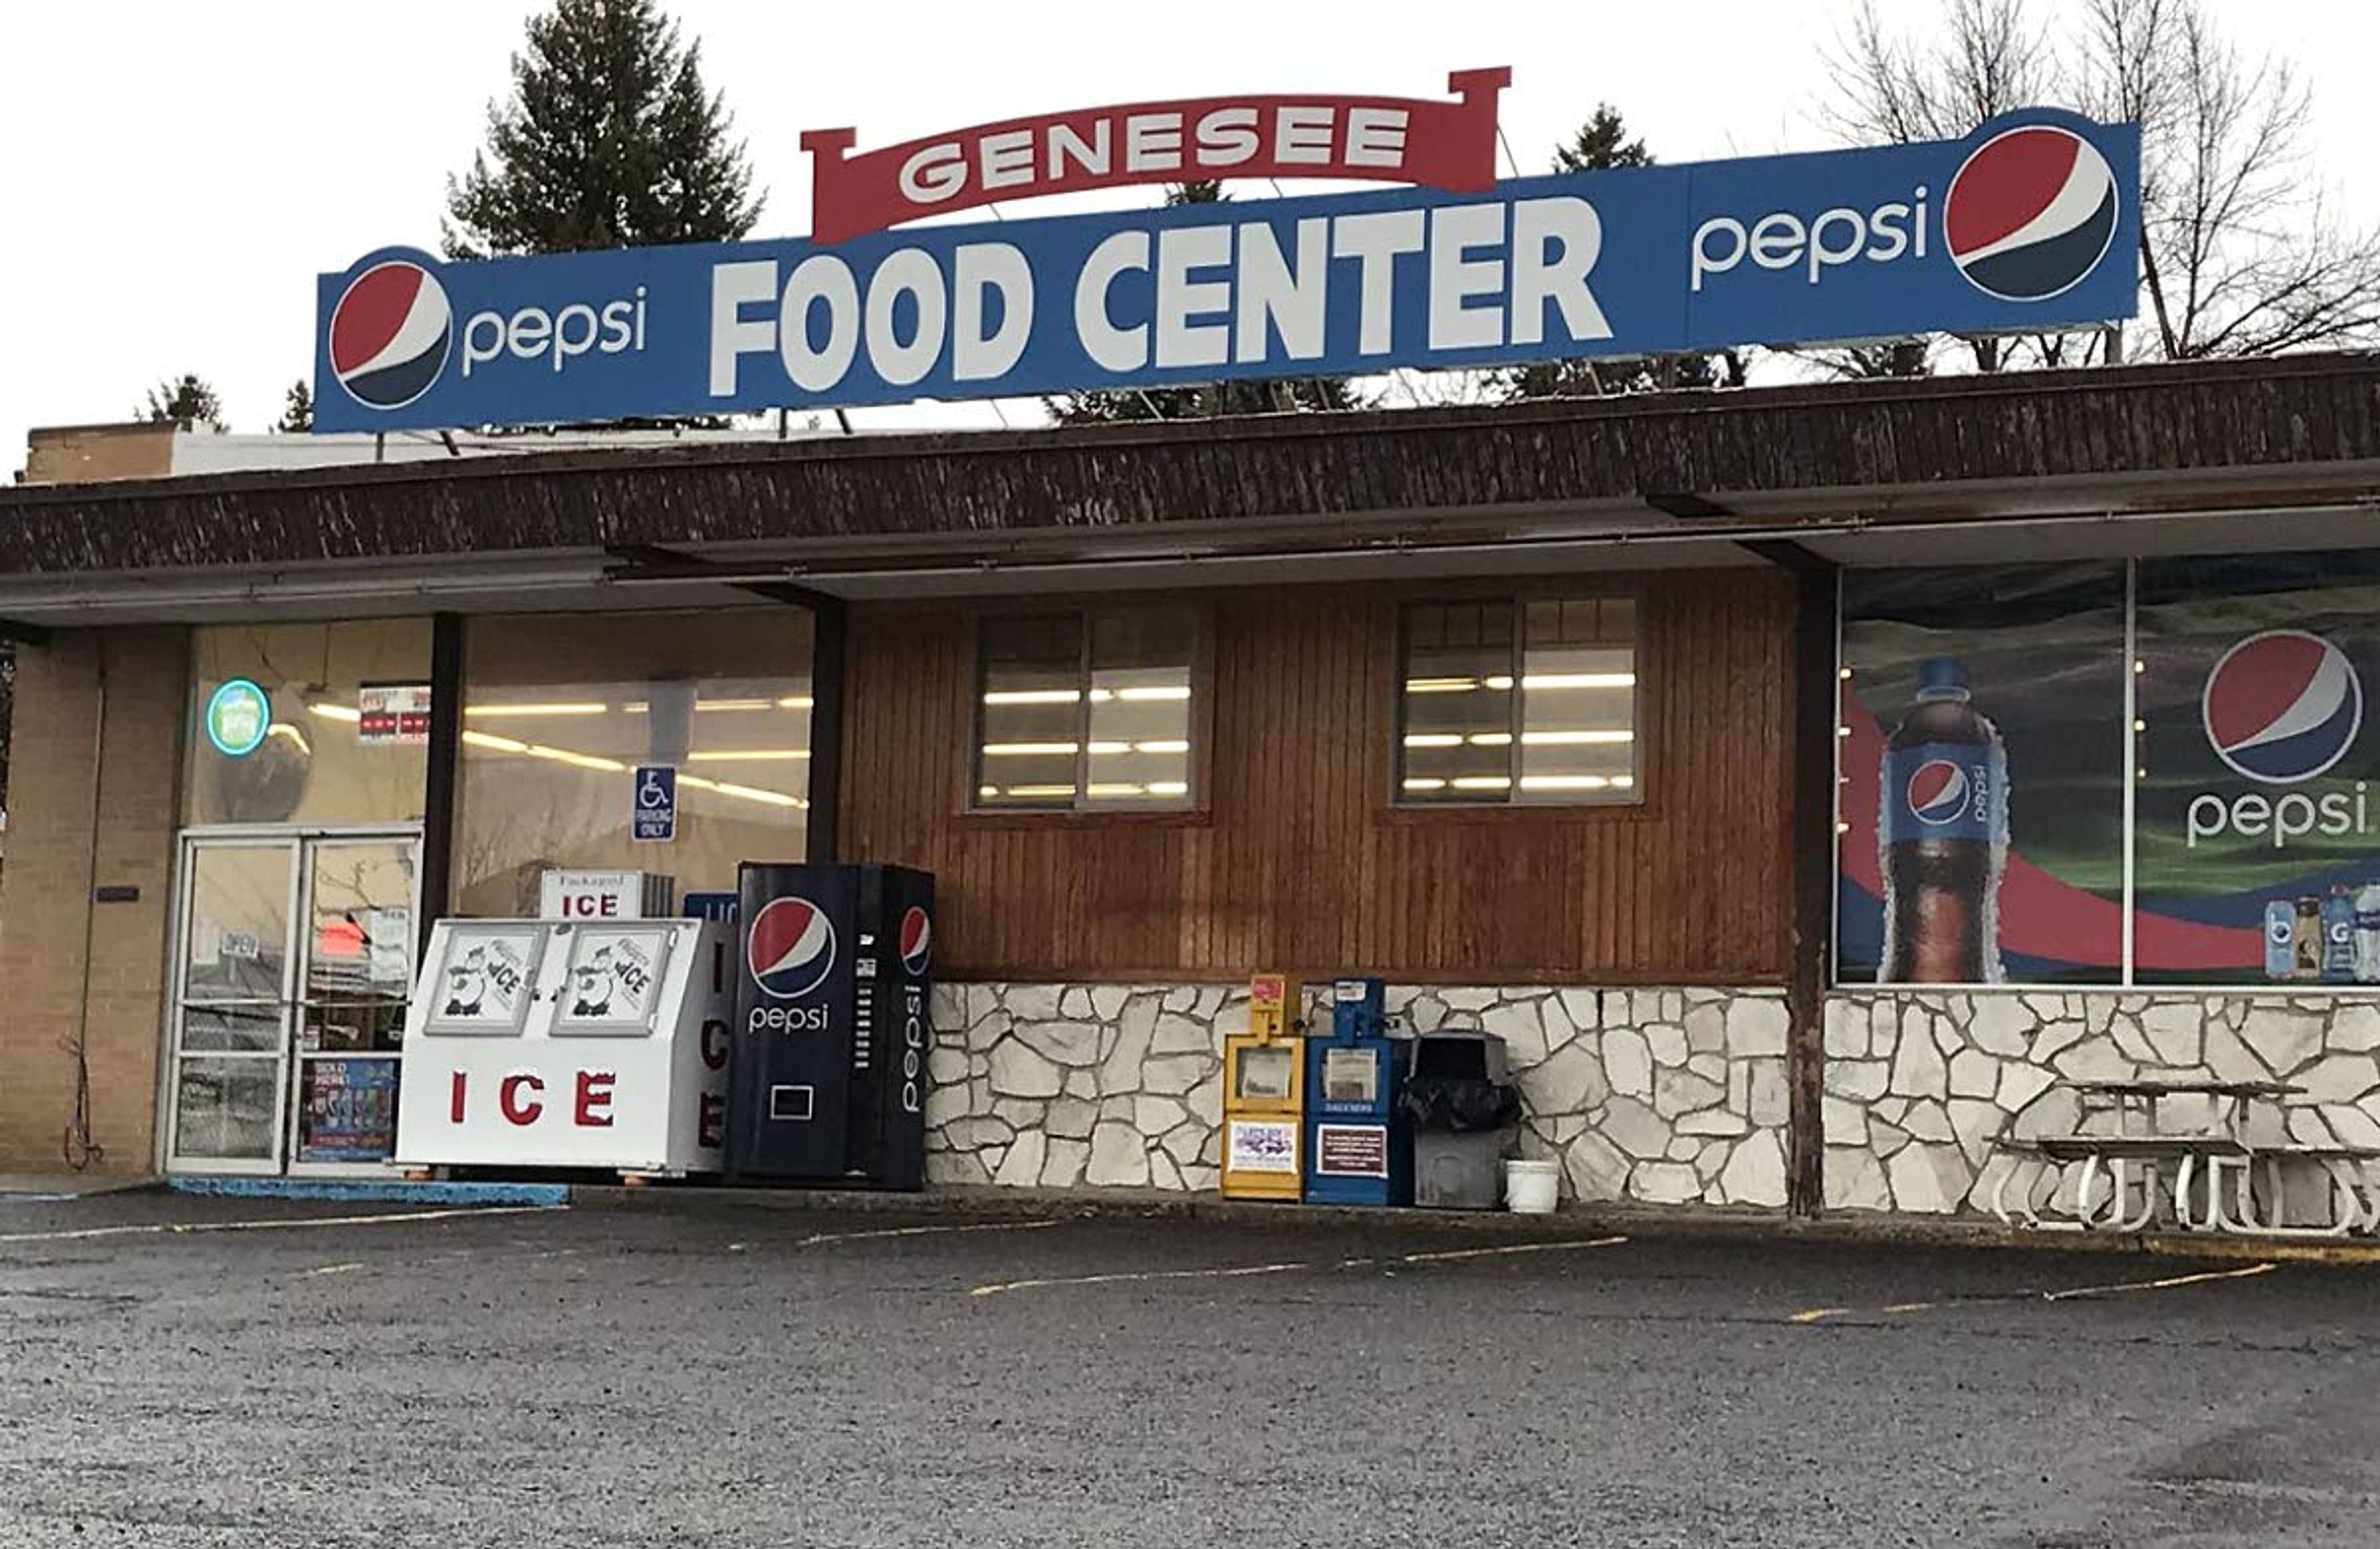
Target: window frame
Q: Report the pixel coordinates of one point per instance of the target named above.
(1636, 802)
(1190, 810)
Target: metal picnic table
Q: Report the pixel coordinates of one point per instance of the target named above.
(2199, 1174)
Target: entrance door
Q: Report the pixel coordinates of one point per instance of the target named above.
(296, 954)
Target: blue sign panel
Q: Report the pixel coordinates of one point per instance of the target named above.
(2032, 223)
(708, 906)
(655, 813)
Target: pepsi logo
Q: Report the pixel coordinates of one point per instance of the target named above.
(789, 947)
(2282, 706)
(2031, 212)
(1938, 791)
(917, 941)
(390, 334)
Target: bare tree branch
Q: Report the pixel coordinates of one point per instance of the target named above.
(2239, 254)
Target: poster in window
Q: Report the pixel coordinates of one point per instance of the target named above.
(1981, 799)
(2256, 835)
(346, 1110)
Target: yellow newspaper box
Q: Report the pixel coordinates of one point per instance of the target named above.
(1264, 1094)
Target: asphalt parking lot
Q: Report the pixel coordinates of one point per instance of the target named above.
(185, 1373)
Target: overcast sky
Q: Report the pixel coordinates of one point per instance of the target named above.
(177, 174)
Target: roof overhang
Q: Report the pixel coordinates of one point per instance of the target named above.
(2152, 459)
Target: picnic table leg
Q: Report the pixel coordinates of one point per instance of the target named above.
(2183, 1177)
(2092, 1167)
(2140, 1221)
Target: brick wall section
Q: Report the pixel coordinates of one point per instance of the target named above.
(47, 883)
(95, 453)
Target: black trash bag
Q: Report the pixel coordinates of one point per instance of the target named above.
(1459, 1104)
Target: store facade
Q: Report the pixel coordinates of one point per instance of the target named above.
(1568, 719)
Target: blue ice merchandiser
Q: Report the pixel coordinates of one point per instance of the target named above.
(1359, 1147)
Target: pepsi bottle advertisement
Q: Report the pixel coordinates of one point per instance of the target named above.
(1981, 777)
(2256, 834)
(827, 1074)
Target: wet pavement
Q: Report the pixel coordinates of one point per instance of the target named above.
(179, 1372)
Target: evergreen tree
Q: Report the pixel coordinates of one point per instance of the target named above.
(298, 410)
(609, 141)
(1206, 400)
(1602, 144)
(186, 402)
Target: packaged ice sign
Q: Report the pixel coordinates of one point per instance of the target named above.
(597, 896)
(2029, 224)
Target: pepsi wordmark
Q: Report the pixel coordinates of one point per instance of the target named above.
(2280, 708)
(2028, 224)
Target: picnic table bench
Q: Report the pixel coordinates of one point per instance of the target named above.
(2201, 1178)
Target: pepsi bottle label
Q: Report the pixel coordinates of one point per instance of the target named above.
(1944, 790)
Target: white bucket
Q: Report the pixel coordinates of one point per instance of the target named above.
(1532, 1188)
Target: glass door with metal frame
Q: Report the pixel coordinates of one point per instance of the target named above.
(294, 958)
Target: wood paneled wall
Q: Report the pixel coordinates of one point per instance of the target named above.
(1298, 861)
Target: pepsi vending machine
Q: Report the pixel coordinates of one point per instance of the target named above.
(827, 1082)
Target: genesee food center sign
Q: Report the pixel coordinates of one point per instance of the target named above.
(2030, 223)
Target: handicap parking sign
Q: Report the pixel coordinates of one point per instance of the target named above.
(655, 813)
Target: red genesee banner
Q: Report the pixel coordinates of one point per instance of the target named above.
(1390, 140)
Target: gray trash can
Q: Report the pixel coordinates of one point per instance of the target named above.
(1463, 1104)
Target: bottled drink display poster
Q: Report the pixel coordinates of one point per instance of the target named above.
(1982, 775)
(2256, 838)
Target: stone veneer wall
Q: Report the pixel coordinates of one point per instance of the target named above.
(1668, 1096)
(1919, 1083)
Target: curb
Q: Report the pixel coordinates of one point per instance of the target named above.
(397, 1190)
(987, 1203)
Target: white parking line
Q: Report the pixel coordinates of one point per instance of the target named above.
(818, 1238)
(1123, 1277)
(327, 1269)
(1455, 1254)
(178, 1228)
(2077, 1293)
(1451, 1255)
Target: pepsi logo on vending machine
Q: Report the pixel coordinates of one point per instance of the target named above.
(917, 941)
(789, 946)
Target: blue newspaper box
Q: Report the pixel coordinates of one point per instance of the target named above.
(1359, 1144)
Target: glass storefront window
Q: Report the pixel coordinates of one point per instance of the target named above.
(559, 712)
(1086, 711)
(2031, 654)
(1994, 709)
(2257, 853)
(288, 723)
(1531, 700)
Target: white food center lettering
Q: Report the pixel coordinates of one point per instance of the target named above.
(1222, 293)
